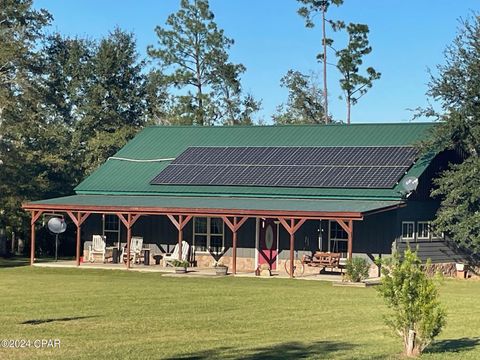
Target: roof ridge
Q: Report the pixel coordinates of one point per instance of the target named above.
(288, 125)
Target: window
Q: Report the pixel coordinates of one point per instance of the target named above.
(408, 230)
(208, 234)
(338, 238)
(111, 228)
(423, 230)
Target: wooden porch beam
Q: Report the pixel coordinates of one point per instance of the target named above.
(174, 221)
(79, 234)
(350, 239)
(292, 245)
(129, 237)
(122, 218)
(180, 236)
(285, 225)
(35, 216)
(234, 227)
(83, 218)
(185, 221)
(325, 215)
(227, 221)
(346, 227)
(292, 228)
(135, 218)
(240, 223)
(298, 225)
(73, 217)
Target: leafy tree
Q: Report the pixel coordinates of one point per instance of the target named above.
(158, 99)
(417, 315)
(456, 89)
(308, 10)
(305, 100)
(114, 108)
(20, 27)
(195, 50)
(23, 162)
(350, 59)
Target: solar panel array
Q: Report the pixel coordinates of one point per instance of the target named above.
(338, 167)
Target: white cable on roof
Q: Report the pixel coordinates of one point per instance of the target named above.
(139, 160)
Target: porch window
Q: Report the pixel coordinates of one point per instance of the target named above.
(408, 230)
(208, 234)
(338, 238)
(423, 230)
(111, 228)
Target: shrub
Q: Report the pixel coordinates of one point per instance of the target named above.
(417, 316)
(356, 269)
(180, 263)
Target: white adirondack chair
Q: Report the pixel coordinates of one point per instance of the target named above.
(135, 249)
(169, 258)
(99, 244)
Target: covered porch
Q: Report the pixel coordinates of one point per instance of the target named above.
(289, 215)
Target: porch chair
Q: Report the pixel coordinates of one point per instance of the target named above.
(99, 244)
(169, 258)
(135, 249)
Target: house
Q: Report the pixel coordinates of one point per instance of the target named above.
(263, 194)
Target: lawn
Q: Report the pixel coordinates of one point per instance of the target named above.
(108, 314)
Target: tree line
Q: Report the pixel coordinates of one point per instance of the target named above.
(68, 103)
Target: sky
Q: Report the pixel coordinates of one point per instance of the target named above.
(408, 38)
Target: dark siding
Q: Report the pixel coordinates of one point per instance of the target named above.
(436, 251)
(375, 234)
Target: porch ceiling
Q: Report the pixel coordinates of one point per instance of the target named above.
(309, 208)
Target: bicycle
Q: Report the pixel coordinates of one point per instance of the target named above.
(298, 266)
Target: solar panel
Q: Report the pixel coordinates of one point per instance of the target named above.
(340, 167)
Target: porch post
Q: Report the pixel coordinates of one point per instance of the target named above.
(234, 245)
(292, 245)
(350, 239)
(32, 239)
(35, 216)
(180, 224)
(347, 225)
(180, 236)
(292, 229)
(78, 220)
(77, 253)
(129, 238)
(234, 228)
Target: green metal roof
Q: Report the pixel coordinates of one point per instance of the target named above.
(139, 202)
(119, 177)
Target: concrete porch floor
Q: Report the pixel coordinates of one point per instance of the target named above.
(170, 271)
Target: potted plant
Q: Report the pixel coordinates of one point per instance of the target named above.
(220, 268)
(180, 266)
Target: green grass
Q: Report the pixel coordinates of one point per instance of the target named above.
(105, 314)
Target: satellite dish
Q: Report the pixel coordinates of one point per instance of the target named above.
(57, 225)
(410, 183)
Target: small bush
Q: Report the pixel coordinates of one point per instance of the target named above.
(180, 263)
(417, 315)
(357, 269)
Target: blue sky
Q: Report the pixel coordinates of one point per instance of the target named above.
(407, 36)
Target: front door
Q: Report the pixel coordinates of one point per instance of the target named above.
(267, 247)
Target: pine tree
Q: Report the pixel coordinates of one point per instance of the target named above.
(196, 51)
